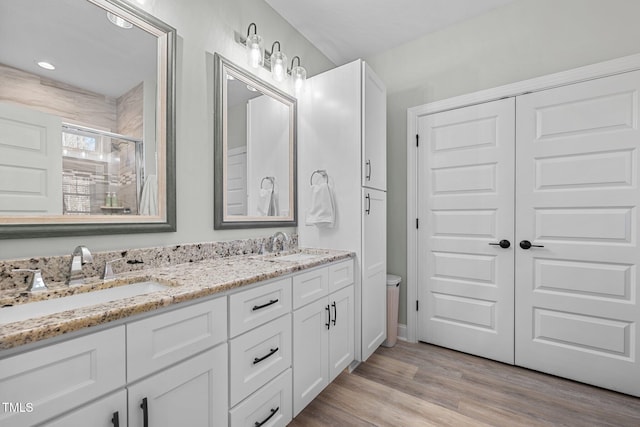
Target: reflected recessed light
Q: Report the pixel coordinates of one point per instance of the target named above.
(230, 77)
(116, 20)
(46, 65)
(251, 88)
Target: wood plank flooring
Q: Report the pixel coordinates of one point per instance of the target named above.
(425, 385)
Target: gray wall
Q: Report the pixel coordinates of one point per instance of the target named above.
(526, 39)
(203, 26)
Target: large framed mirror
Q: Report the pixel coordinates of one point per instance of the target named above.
(87, 119)
(255, 151)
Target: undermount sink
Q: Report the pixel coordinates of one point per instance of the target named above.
(30, 310)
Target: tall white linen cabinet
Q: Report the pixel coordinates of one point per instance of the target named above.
(343, 133)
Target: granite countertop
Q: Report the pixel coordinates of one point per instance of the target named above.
(186, 282)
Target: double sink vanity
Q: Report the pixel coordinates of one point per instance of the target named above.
(233, 340)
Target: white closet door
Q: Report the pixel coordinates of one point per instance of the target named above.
(578, 196)
(466, 194)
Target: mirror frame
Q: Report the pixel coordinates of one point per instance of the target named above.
(166, 126)
(220, 223)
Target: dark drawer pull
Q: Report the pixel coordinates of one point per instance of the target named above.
(260, 359)
(328, 324)
(273, 412)
(258, 307)
(115, 419)
(145, 412)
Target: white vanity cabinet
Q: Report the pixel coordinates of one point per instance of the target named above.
(46, 382)
(323, 334)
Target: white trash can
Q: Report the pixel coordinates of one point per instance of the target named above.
(393, 297)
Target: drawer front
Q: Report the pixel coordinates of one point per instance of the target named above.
(49, 381)
(259, 356)
(257, 306)
(159, 341)
(340, 275)
(309, 286)
(268, 407)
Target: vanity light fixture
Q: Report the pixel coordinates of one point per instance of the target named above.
(298, 74)
(117, 21)
(46, 65)
(278, 61)
(254, 46)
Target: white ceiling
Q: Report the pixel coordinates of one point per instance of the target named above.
(345, 30)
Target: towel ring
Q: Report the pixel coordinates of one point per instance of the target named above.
(271, 179)
(320, 172)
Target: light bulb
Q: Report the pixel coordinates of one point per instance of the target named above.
(278, 66)
(254, 48)
(299, 75)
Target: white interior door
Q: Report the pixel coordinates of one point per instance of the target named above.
(237, 181)
(30, 162)
(578, 196)
(466, 196)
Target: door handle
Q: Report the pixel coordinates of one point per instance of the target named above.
(115, 419)
(328, 324)
(525, 244)
(272, 413)
(335, 313)
(368, 208)
(272, 351)
(369, 170)
(145, 412)
(504, 244)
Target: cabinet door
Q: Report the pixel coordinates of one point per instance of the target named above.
(109, 411)
(192, 393)
(341, 343)
(374, 132)
(310, 352)
(374, 273)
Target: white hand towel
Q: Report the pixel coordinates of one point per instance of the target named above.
(149, 196)
(265, 198)
(274, 203)
(322, 212)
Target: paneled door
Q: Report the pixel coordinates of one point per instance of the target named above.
(577, 202)
(466, 196)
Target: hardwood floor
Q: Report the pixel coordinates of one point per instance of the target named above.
(425, 385)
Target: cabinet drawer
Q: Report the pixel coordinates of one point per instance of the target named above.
(309, 286)
(159, 341)
(254, 307)
(258, 356)
(59, 377)
(340, 275)
(268, 407)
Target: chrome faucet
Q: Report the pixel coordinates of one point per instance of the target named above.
(285, 240)
(79, 257)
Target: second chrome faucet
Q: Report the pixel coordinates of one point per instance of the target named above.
(80, 256)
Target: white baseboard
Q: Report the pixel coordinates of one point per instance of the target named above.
(402, 332)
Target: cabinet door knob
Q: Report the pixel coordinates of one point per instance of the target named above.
(504, 244)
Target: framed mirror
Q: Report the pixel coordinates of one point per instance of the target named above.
(87, 119)
(255, 151)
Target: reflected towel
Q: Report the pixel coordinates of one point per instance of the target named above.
(265, 202)
(149, 197)
(322, 211)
